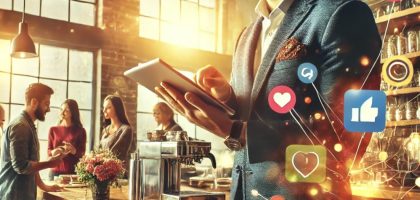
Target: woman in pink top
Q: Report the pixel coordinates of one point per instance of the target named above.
(68, 137)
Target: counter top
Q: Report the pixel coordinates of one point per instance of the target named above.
(84, 193)
(371, 191)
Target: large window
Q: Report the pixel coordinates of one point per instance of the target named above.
(68, 72)
(190, 23)
(76, 11)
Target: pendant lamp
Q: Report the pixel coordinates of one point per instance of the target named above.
(22, 45)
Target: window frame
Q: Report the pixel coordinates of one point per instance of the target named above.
(199, 30)
(90, 130)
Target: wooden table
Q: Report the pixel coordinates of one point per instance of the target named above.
(83, 193)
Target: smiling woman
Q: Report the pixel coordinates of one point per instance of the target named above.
(117, 135)
(68, 137)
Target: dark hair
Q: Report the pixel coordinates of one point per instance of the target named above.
(118, 104)
(38, 91)
(75, 113)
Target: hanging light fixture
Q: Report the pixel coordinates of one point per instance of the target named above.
(22, 45)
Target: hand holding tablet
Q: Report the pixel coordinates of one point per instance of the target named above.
(151, 74)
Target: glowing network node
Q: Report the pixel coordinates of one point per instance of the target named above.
(338, 147)
(254, 192)
(313, 191)
(383, 155)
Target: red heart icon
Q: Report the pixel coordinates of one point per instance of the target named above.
(305, 163)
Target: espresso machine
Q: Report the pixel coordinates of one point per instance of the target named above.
(155, 170)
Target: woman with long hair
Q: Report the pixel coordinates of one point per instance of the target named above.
(117, 134)
(164, 116)
(69, 137)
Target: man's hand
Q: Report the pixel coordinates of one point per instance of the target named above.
(212, 81)
(52, 188)
(56, 151)
(56, 160)
(45, 187)
(196, 110)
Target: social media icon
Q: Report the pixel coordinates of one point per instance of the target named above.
(307, 72)
(364, 110)
(281, 99)
(397, 71)
(305, 163)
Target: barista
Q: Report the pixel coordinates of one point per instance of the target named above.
(164, 117)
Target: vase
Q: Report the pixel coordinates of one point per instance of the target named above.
(100, 190)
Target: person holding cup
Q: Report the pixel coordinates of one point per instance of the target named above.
(69, 137)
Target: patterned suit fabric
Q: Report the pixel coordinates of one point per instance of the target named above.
(334, 35)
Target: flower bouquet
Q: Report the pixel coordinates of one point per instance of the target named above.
(100, 169)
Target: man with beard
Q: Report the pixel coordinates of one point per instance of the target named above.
(20, 165)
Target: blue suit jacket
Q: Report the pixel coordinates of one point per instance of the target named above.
(334, 35)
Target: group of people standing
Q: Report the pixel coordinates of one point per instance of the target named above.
(20, 161)
(69, 137)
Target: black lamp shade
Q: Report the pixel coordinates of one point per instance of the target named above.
(22, 45)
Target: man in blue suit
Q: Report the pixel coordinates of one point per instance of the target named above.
(341, 39)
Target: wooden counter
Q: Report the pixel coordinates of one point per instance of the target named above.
(85, 193)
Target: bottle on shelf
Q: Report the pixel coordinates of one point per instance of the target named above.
(392, 46)
(412, 40)
(418, 108)
(401, 43)
(410, 112)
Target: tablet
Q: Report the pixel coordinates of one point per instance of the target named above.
(152, 73)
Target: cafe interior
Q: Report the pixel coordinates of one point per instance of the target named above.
(83, 47)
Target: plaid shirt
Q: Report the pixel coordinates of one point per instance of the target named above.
(20, 145)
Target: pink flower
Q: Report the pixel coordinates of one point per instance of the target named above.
(89, 168)
(99, 165)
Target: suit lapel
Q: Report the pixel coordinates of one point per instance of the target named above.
(291, 21)
(243, 66)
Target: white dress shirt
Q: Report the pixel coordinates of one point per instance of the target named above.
(270, 25)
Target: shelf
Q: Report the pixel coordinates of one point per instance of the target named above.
(403, 123)
(399, 20)
(408, 55)
(399, 14)
(402, 91)
(373, 3)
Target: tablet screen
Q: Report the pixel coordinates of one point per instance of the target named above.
(152, 73)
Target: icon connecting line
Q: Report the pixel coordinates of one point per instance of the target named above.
(380, 52)
(304, 131)
(367, 77)
(355, 155)
(313, 134)
(326, 112)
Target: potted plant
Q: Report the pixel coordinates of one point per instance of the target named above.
(100, 169)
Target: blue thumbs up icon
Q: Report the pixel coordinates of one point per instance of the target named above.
(364, 110)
